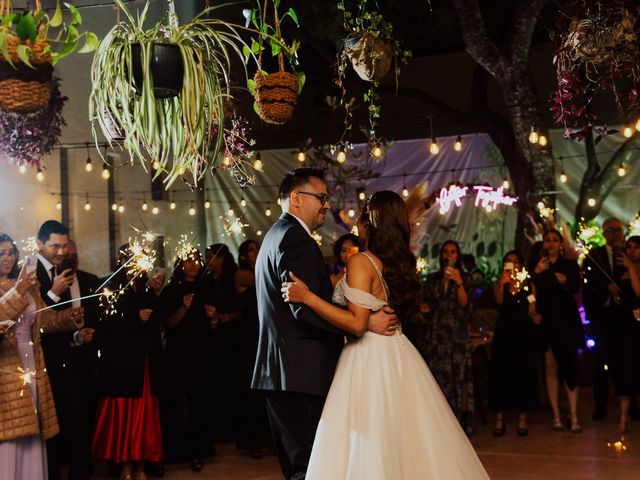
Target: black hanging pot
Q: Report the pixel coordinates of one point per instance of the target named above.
(166, 67)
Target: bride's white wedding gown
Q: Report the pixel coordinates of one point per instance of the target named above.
(385, 417)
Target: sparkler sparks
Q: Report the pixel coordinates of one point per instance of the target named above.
(421, 264)
(233, 225)
(186, 250)
(317, 237)
(520, 281)
(618, 446)
(634, 225)
(26, 375)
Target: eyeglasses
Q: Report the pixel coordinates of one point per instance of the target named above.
(323, 197)
(10, 253)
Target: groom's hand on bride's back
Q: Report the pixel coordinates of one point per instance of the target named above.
(383, 322)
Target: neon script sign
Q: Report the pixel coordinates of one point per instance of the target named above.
(485, 197)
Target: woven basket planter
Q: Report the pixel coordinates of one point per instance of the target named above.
(23, 89)
(370, 56)
(276, 96)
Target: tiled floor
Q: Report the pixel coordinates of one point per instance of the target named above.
(544, 454)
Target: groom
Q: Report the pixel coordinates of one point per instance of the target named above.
(298, 350)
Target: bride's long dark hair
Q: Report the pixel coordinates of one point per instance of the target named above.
(386, 220)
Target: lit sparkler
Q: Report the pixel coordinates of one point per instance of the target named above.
(520, 281)
(26, 375)
(618, 446)
(421, 264)
(317, 237)
(185, 250)
(233, 225)
(634, 225)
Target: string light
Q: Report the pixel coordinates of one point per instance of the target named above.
(114, 206)
(87, 205)
(301, 155)
(342, 156)
(257, 163)
(377, 151)
(351, 213)
(243, 202)
(88, 167)
(172, 205)
(145, 206)
(457, 146)
(362, 195)
(121, 206)
(563, 177)
(542, 141)
(621, 170)
(106, 174)
(230, 212)
(59, 205)
(207, 204)
(638, 125)
(155, 210)
(278, 201)
(259, 233)
(192, 209)
(505, 183)
(627, 132)
(434, 148)
(267, 212)
(591, 202)
(156, 165)
(226, 161)
(405, 191)
(22, 169)
(533, 134)
(40, 175)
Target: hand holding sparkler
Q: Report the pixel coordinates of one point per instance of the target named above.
(145, 314)
(84, 335)
(76, 315)
(25, 281)
(561, 277)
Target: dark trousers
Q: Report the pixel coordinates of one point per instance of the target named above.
(73, 444)
(294, 418)
(605, 332)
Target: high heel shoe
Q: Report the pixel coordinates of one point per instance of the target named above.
(557, 425)
(575, 426)
(499, 429)
(522, 429)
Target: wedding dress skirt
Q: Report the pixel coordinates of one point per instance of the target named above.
(385, 417)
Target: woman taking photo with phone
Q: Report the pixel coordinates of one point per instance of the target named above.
(23, 378)
(557, 280)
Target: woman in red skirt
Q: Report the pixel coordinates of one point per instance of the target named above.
(128, 424)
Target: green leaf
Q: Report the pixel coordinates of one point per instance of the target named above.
(4, 49)
(77, 18)
(26, 28)
(23, 53)
(294, 17)
(56, 20)
(302, 78)
(247, 53)
(90, 44)
(275, 48)
(255, 47)
(39, 16)
(252, 86)
(255, 108)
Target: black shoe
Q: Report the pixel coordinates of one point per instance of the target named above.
(196, 465)
(599, 414)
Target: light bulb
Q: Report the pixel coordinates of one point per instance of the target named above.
(106, 174)
(591, 202)
(145, 206)
(59, 205)
(155, 210)
(301, 156)
(341, 157)
(621, 170)
(377, 151)
(243, 202)
(88, 167)
(226, 161)
(638, 125)
(192, 210)
(259, 233)
(351, 213)
(40, 175)
(278, 201)
(230, 212)
(207, 203)
(542, 141)
(114, 207)
(22, 169)
(120, 208)
(87, 206)
(172, 205)
(489, 208)
(563, 177)
(405, 192)
(627, 132)
(267, 212)
(505, 183)
(362, 196)
(458, 145)
(540, 205)
(434, 148)
(533, 135)
(257, 165)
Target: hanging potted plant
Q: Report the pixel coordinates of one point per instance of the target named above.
(276, 94)
(169, 108)
(28, 53)
(597, 50)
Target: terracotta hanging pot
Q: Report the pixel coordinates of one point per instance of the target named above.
(370, 56)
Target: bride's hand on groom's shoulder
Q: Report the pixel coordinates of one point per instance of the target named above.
(294, 291)
(383, 322)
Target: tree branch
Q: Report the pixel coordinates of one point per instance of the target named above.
(523, 23)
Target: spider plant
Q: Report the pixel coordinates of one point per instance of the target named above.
(176, 135)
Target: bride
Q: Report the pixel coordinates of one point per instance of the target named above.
(385, 417)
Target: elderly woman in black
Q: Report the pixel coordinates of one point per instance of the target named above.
(557, 280)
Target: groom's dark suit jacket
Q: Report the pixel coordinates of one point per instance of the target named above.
(298, 350)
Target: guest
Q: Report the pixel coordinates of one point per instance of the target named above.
(65, 371)
(220, 292)
(253, 425)
(557, 281)
(599, 293)
(188, 321)
(513, 349)
(627, 372)
(346, 245)
(128, 424)
(23, 428)
(445, 341)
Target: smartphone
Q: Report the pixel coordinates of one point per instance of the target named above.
(66, 265)
(508, 266)
(544, 253)
(30, 264)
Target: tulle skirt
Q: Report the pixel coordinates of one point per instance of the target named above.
(385, 418)
(128, 429)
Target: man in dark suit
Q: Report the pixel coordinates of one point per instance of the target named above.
(600, 299)
(73, 442)
(297, 350)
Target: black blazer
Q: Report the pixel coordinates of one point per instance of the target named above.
(297, 350)
(87, 354)
(596, 289)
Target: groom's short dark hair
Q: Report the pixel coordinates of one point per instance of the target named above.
(297, 178)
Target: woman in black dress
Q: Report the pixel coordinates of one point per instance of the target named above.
(557, 281)
(188, 322)
(627, 378)
(253, 425)
(513, 352)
